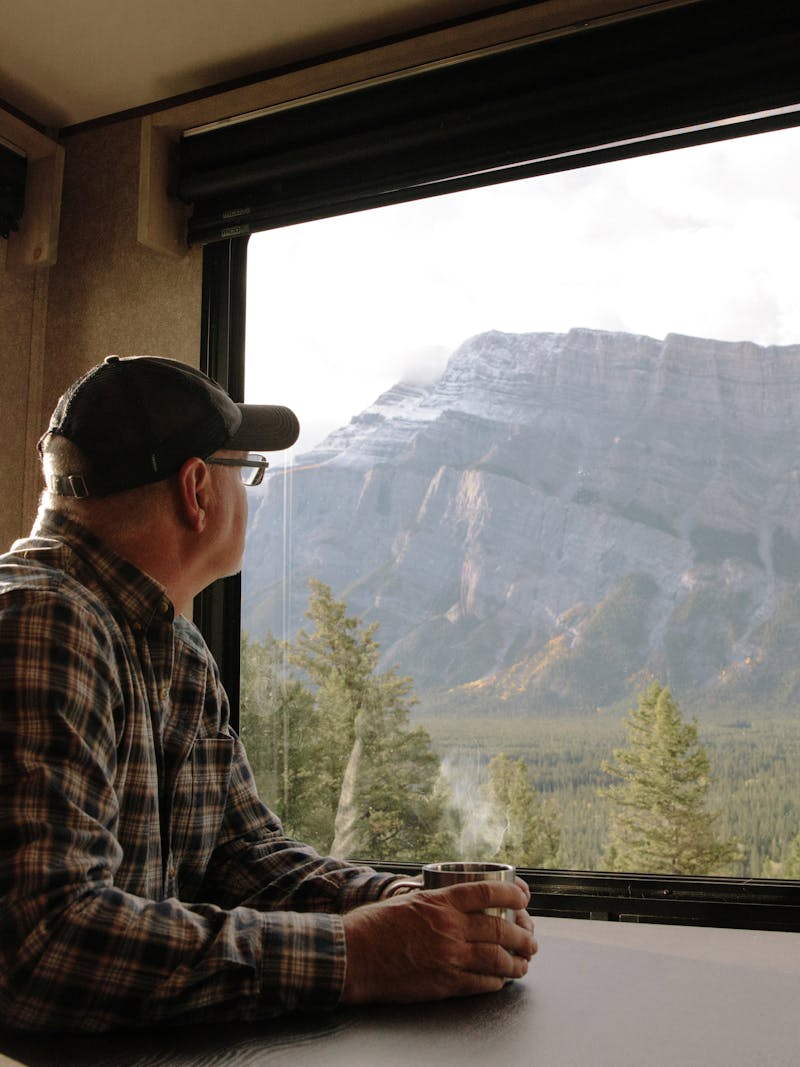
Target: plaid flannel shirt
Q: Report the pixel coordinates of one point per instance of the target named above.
(141, 879)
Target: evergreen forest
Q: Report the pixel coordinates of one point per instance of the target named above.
(353, 764)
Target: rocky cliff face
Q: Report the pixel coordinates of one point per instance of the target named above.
(555, 517)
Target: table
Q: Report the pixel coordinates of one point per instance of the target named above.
(598, 995)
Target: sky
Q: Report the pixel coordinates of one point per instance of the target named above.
(702, 241)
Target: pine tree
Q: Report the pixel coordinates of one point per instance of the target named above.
(337, 645)
(259, 697)
(659, 821)
(278, 725)
(530, 832)
(380, 773)
(791, 867)
(339, 657)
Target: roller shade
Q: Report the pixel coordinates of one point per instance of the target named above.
(535, 108)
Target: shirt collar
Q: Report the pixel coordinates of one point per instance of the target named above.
(62, 542)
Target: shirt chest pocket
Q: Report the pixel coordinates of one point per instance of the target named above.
(201, 793)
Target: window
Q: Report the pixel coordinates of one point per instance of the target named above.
(548, 524)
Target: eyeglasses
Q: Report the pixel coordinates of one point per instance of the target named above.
(251, 469)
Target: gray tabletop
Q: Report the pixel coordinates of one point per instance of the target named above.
(598, 994)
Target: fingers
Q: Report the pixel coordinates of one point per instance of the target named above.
(479, 896)
(526, 889)
(414, 948)
(437, 943)
(515, 937)
(524, 920)
(488, 959)
(498, 898)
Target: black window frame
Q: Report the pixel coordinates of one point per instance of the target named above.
(746, 903)
(217, 610)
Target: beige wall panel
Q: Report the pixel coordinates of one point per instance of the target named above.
(21, 312)
(109, 294)
(106, 294)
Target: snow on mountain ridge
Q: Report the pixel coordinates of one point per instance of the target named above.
(515, 378)
(483, 377)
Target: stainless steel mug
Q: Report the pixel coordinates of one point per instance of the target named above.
(436, 875)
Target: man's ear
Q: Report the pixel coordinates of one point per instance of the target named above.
(193, 481)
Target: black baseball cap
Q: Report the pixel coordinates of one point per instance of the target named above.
(138, 418)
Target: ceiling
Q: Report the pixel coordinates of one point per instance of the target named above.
(69, 62)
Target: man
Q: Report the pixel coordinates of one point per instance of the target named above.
(142, 879)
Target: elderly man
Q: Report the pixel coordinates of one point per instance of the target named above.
(142, 879)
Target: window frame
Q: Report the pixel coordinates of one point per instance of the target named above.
(710, 901)
(217, 609)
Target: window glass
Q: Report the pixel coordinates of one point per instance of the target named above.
(527, 586)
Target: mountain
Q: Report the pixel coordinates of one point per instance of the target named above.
(557, 518)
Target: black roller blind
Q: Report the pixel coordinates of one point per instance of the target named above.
(535, 108)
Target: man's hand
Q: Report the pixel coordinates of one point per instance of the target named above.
(437, 943)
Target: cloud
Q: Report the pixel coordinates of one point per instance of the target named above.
(700, 241)
(423, 365)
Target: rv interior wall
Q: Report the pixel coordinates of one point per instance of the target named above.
(106, 293)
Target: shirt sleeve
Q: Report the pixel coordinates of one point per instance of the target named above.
(78, 952)
(254, 863)
(257, 865)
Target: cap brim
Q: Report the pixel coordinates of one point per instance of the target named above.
(264, 428)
